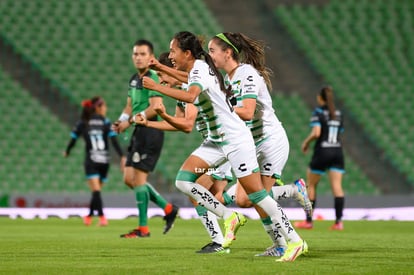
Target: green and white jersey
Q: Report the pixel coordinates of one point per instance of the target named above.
(248, 83)
(222, 123)
(200, 124)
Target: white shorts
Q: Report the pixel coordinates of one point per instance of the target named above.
(241, 155)
(273, 153)
(223, 172)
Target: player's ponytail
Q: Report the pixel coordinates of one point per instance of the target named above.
(246, 50)
(327, 95)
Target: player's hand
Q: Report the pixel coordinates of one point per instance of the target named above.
(305, 147)
(120, 126)
(140, 120)
(154, 64)
(148, 83)
(159, 109)
(115, 126)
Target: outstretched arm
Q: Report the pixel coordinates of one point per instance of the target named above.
(69, 147)
(179, 75)
(189, 96)
(183, 122)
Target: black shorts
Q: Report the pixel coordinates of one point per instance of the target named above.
(145, 148)
(327, 158)
(94, 170)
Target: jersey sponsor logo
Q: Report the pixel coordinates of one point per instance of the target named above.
(195, 71)
(267, 166)
(249, 86)
(99, 158)
(97, 122)
(242, 167)
(206, 197)
(210, 71)
(136, 157)
(210, 225)
(250, 78)
(195, 78)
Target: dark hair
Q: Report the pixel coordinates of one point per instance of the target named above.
(187, 41)
(246, 50)
(89, 107)
(163, 59)
(327, 95)
(144, 42)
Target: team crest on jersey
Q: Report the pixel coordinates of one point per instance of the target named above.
(133, 83)
(210, 71)
(136, 157)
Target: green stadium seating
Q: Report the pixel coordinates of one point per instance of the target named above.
(294, 114)
(84, 47)
(32, 146)
(365, 50)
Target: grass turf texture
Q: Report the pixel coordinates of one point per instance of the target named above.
(56, 246)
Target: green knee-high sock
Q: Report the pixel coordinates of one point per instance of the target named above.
(156, 197)
(142, 196)
(227, 198)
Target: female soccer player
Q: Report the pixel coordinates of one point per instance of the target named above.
(242, 58)
(327, 125)
(185, 117)
(95, 129)
(228, 138)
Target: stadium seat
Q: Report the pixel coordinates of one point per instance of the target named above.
(367, 56)
(88, 53)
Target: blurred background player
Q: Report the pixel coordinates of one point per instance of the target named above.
(327, 125)
(95, 129)
(146, 143)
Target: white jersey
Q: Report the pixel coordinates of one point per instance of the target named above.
(248, 83)
(200, 124)
(223, 124)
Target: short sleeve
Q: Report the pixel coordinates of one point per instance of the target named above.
(78, 129)
(249, 84)
(197, 75)
(152, 93)
(111, 133)
(315, 119)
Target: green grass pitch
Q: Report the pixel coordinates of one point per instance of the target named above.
(57, 246)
